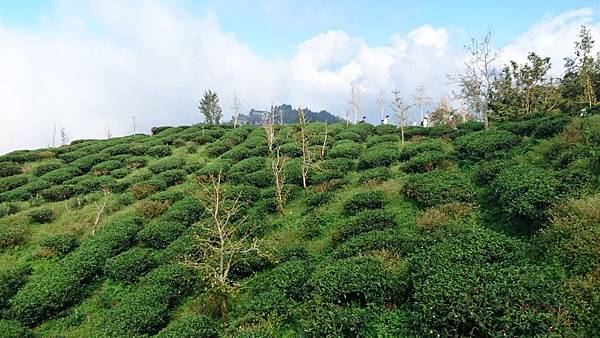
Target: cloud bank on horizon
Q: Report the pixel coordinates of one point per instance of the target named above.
(109, 60)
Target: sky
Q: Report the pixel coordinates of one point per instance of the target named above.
(92, 66)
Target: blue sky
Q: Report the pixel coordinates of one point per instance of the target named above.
(274, 28)
(89, 65)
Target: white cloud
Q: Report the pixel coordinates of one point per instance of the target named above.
(552, 37)
(108, 60)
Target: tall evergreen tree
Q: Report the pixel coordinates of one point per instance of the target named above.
(209, 107)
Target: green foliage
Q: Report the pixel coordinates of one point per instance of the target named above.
(128, 266)
(485, 144)
(375, 174)
(364, 221)
(414, 148)
(11, 236)
(426, 161)
(12, 329)
(11, 281)
(159, 151)
(239, 172)
(147, 308)
(345, 149)
(61, 175)
(363, 281)
(318, 199)
(188, 211)
(41, 215)
(159, 234)
(65, 284)
(9, 169)
(526, 191)
(105, 167)
(364, 200)
(60, 244)
(382, 155)
(12, 182)
(439, 187)
(190, 327)
(58, 192)
(350, 135)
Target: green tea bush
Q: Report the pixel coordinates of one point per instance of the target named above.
(13, 329)
(169, 196)
(11, 237)
(426, 161)
(386, 129)
(172, 177)
(361, 281)
(319, 319)
(486, 171)
(188, 211)
(159, 151)
(238, 171)
(61, 175)
(60, 244)
(135, 162)
(88, 184)
(377, 139)
(290, 149)
(9, 208)
(331, 169)
(65, 284)
(471, 126)
(382, 155)
(485, 144)
(105, 167)
(58, 193)
(45, 168)
(318, 199)
(11, 280)
(84, 162)
(349, 135)
(375, 174)
(213, 168)
(128, 266)
(395, 239)
(526, 191)
(151, 209)
(260, 179)
(147, 308)
(218, 148)
(9, 169)
(12, 182)
(440, 187)
(364, 221)
(144, 189)
(41, 215)
(238, 153)
(158, 234)
(120, 173)
(190, 327)
(167, 164)
(345, 149)
(363, 201)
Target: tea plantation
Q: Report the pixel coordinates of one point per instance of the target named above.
(458, 232)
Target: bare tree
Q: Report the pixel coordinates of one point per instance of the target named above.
(108, 132)
(277, 163)
(324, 145)
(476, 78)
(100, 208)
(223, 242)
(54, 136)
(421, 99)
(400, 108)
(308, 156)
(356, 96)
(381, 104)
(133, 124)
(237, 106)
(64, 138)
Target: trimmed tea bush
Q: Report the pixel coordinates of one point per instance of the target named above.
(13, 329)
(61, 175)
(152, 209)
(345, 149)
(65, 284)
(363, 201)
(526, 191)
(382, 155)
(9, 169)
(105, 167)
(485, 144)
(159, 151)
(127, 266)
(190, 327)
(188, 211)
(60, 244)
(361, 280)
(374, 174)
(159, 234)
(167, 164)
(11, 236)
(58, 193)
(11, 281)
(440, 187)
(426, 161)
(147, 308)
(364, 221)
(414, 148)
(12, 182)
(41, 215)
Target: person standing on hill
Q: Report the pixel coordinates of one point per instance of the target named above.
(385, 119)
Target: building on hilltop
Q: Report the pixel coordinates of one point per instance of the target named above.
(254, 117)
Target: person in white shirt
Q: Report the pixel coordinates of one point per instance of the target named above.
(385, 120)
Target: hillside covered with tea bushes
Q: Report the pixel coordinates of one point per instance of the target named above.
(458, 232)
